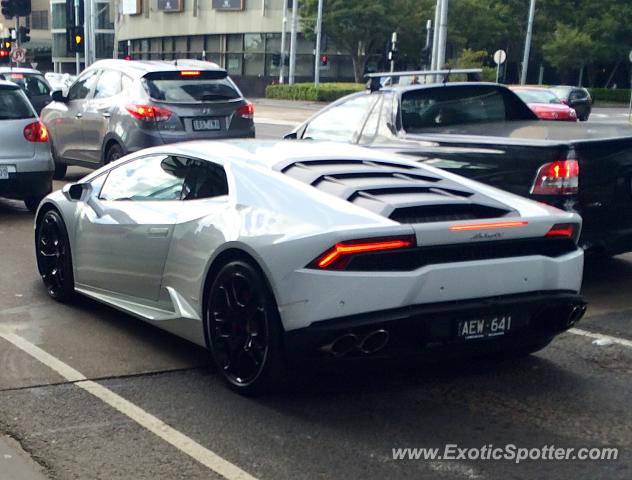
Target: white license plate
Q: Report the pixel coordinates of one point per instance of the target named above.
(4, 172)
(484, 327)
(206, 124)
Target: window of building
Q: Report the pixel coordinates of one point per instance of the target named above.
(58, 14)
(39, 20)
(105, 45)
(104, 16)
(181, 48)
(196, 46)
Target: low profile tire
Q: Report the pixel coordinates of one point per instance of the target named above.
(113, 153)
(32, 203)
(54, 260)
(244, 330)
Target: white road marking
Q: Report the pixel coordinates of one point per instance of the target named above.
(602, 337)
(146, 420)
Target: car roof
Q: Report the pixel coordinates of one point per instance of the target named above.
(139, 68)
(19, 70)
(4, 84)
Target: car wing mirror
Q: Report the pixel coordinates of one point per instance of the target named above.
(290, 136)
(58, 96)
(77, 192)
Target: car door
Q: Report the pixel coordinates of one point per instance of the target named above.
(124, 229)
(67, 133)
(38, 91)
(98, 111)
(343, 121)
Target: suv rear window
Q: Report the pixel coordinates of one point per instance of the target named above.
(190, 86)
(458, 105)
(13, 105)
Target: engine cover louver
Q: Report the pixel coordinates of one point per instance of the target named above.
(401, 192)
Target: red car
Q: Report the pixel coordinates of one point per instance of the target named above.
(545, 104)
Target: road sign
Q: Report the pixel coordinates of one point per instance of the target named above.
(499, 57)
(18, 55)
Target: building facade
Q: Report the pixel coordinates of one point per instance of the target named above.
(243, 36)
(39, 48)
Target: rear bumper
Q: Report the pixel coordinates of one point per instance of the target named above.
(27, 184)
(431, 330)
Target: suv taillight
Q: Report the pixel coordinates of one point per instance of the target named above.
(246, 111)
(557, 178)
(149, 113)
(36, 132)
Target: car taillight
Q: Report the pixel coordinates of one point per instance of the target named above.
(557, 178)
(149, 112)
(564, 230)
(36, 132)
(338, 256)
(246, 111)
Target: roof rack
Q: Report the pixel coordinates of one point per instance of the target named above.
(375, 82)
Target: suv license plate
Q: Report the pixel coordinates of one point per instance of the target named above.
(206, 124)
(484, 327)
(4, 172)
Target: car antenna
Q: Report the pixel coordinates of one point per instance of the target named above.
(447, 76)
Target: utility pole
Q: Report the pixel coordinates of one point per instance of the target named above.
(319, 28)
(435, 36)
(283, 35)
(293, 41)
(443, 34)
(527, 44)
(393, 51)
(77, 60)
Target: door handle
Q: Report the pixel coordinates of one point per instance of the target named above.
(79, 115)
(159, 231)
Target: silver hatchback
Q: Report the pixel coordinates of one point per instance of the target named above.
(117, 107)
(26, 167)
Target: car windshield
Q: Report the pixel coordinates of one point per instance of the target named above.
(456, 105)
(190, 89)
(537, 96)
(13, 105)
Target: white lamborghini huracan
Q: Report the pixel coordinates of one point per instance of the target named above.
(266, 252)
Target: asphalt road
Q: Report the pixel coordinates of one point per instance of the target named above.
(336, 422)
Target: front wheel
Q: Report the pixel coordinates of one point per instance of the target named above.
(114, 153)
(54, 260)
(244, 329)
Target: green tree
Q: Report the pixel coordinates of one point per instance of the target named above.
(361, 27)
(568, 49)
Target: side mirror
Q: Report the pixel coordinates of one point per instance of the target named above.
(77, 192)
(58, 96)
(290, 136)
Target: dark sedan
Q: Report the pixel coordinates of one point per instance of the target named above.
(575, 97)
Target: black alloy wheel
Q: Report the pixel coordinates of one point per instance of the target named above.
(244, 329)
(54, 261)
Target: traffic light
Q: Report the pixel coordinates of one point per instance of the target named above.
(323, 60)
(8, 9)
(5, 55)
(7, 43)
(24, 34)
(75, 39)
(22, 8)
(276, 59)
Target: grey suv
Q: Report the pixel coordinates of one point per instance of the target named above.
(119, 106)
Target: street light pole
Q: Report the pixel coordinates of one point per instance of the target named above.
(293, 41)
(443, 34)
(319, 28)
(527, 44)
(435, 36)
(283, 35)
(77, 60)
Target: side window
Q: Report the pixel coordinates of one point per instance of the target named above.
(83, 86)
(109, 84)
(341, 122)
(204, 180)
(152, 178)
